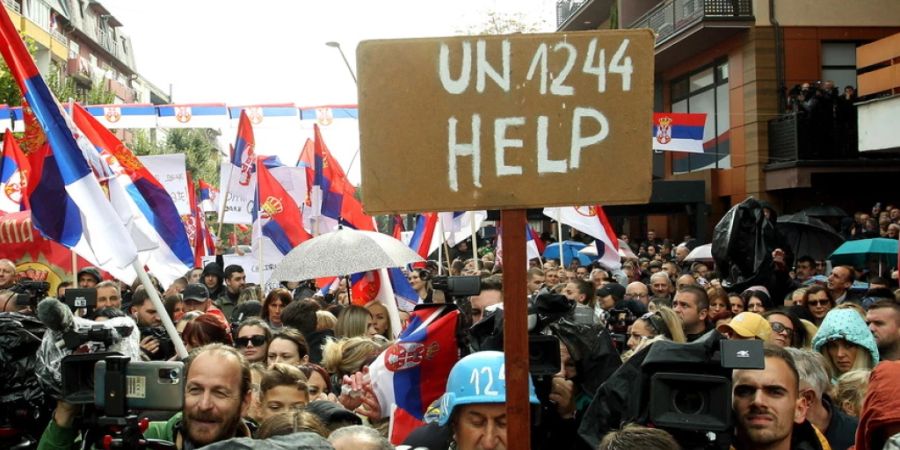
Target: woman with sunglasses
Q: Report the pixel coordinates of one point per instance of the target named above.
(252, 340)
(787, 330)
(662, 324)
(818, 302)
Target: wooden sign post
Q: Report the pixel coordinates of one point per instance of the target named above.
(506, 122)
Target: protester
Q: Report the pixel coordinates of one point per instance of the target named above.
(652, 326)
(380, 320)
(358, 437)
(196, 298)
(850, 391)
(768, 409)
(817, 302)
(253, 336)
(347, 357)
(303, 315)
(846, 342)
(273, 306)
(7, 274)
(476, 414)
(317, 381)
(203, 330)
(108, 295)
(212, 278)
(757, 301)
(822, 412)
(747, 325)
(883, 318)
(637, 437)
(282, 389)
(355, 321)
(661, 285)
(787, 330)
(736, 303)
(88, 277)
(692, 306)
(288, 346)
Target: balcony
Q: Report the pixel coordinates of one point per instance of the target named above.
(686, 27)
(801, 150)
(13, 5)
(575, 15)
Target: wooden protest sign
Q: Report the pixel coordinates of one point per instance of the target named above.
(504, 122)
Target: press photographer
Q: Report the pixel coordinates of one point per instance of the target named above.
(155, 342)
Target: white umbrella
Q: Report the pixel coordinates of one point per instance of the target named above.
(343, 252)
(700, 253)
(624, 250)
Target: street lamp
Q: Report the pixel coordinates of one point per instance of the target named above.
(338, 47)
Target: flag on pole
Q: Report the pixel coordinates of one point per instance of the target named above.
(592, 221)
(676, 132)
(412, 373)
(173, 255)
(407, 297)
(423, 238)
(238, 176)
(282, 220)
(338, 195)
(457, 225)
(14, 173)
(307, 161)
(68, 205)
(209, 197)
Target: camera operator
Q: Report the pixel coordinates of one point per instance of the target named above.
(216, 397)
(7, 274)
(155, 343)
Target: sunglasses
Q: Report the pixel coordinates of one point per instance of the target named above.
(818, 302)
(780, 328)
(257, 341)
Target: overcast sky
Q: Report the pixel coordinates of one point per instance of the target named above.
(268, 51)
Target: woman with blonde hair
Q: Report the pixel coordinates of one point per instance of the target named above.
(380, 319)
(325, 320)
(291, 422)
(346, 357)
(846, 342)
(850, 391)
(354, 321)
(653, 326)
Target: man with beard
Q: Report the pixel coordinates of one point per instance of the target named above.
(769, 411)
(216, 397)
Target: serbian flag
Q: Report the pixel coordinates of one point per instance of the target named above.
(407, 297)
(423, 236)
(173, 256)
(534, 246)
(307, 161)
(676, 132)
(592, 221)
(282, 220)
(239, 174)
(535, 239)
(338, 196)
(412, 373)
(68, 204)
(192, 224)
(209, 196)
(14, 172)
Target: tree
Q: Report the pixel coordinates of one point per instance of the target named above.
(198, 146)
(503, 23)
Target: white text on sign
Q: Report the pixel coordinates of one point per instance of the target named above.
(505, 130)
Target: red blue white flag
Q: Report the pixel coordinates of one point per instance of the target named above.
(591, 220)
(678, 132)
(14, 173)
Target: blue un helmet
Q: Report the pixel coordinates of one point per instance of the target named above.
(477, 378)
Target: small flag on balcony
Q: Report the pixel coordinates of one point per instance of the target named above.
(675, 132)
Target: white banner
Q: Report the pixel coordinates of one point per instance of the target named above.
(170, 171)
(250, 263)
(240, 189)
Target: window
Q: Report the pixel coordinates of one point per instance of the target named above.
(705, 91)
(839, 63)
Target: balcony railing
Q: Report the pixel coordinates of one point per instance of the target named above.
(794, 137)
(669, 18)
(13, 6)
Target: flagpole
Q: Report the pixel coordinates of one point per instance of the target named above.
(224, 199)
(74, 268)
(440, 230)
(474, 237)
(562, 257)
(259, 246)
(180, 349)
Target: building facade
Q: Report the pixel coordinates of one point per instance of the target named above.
(740, 62)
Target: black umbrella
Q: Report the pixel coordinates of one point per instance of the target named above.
(824, 211)
(807, 235)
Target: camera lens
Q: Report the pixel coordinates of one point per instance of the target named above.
(686, 402)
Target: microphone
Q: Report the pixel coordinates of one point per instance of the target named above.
(56, 315)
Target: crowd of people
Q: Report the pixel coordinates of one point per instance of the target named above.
(827, 117)
(264, 365)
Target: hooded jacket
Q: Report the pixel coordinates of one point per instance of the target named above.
(881, 406)
(848, 325)
(214, 269)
